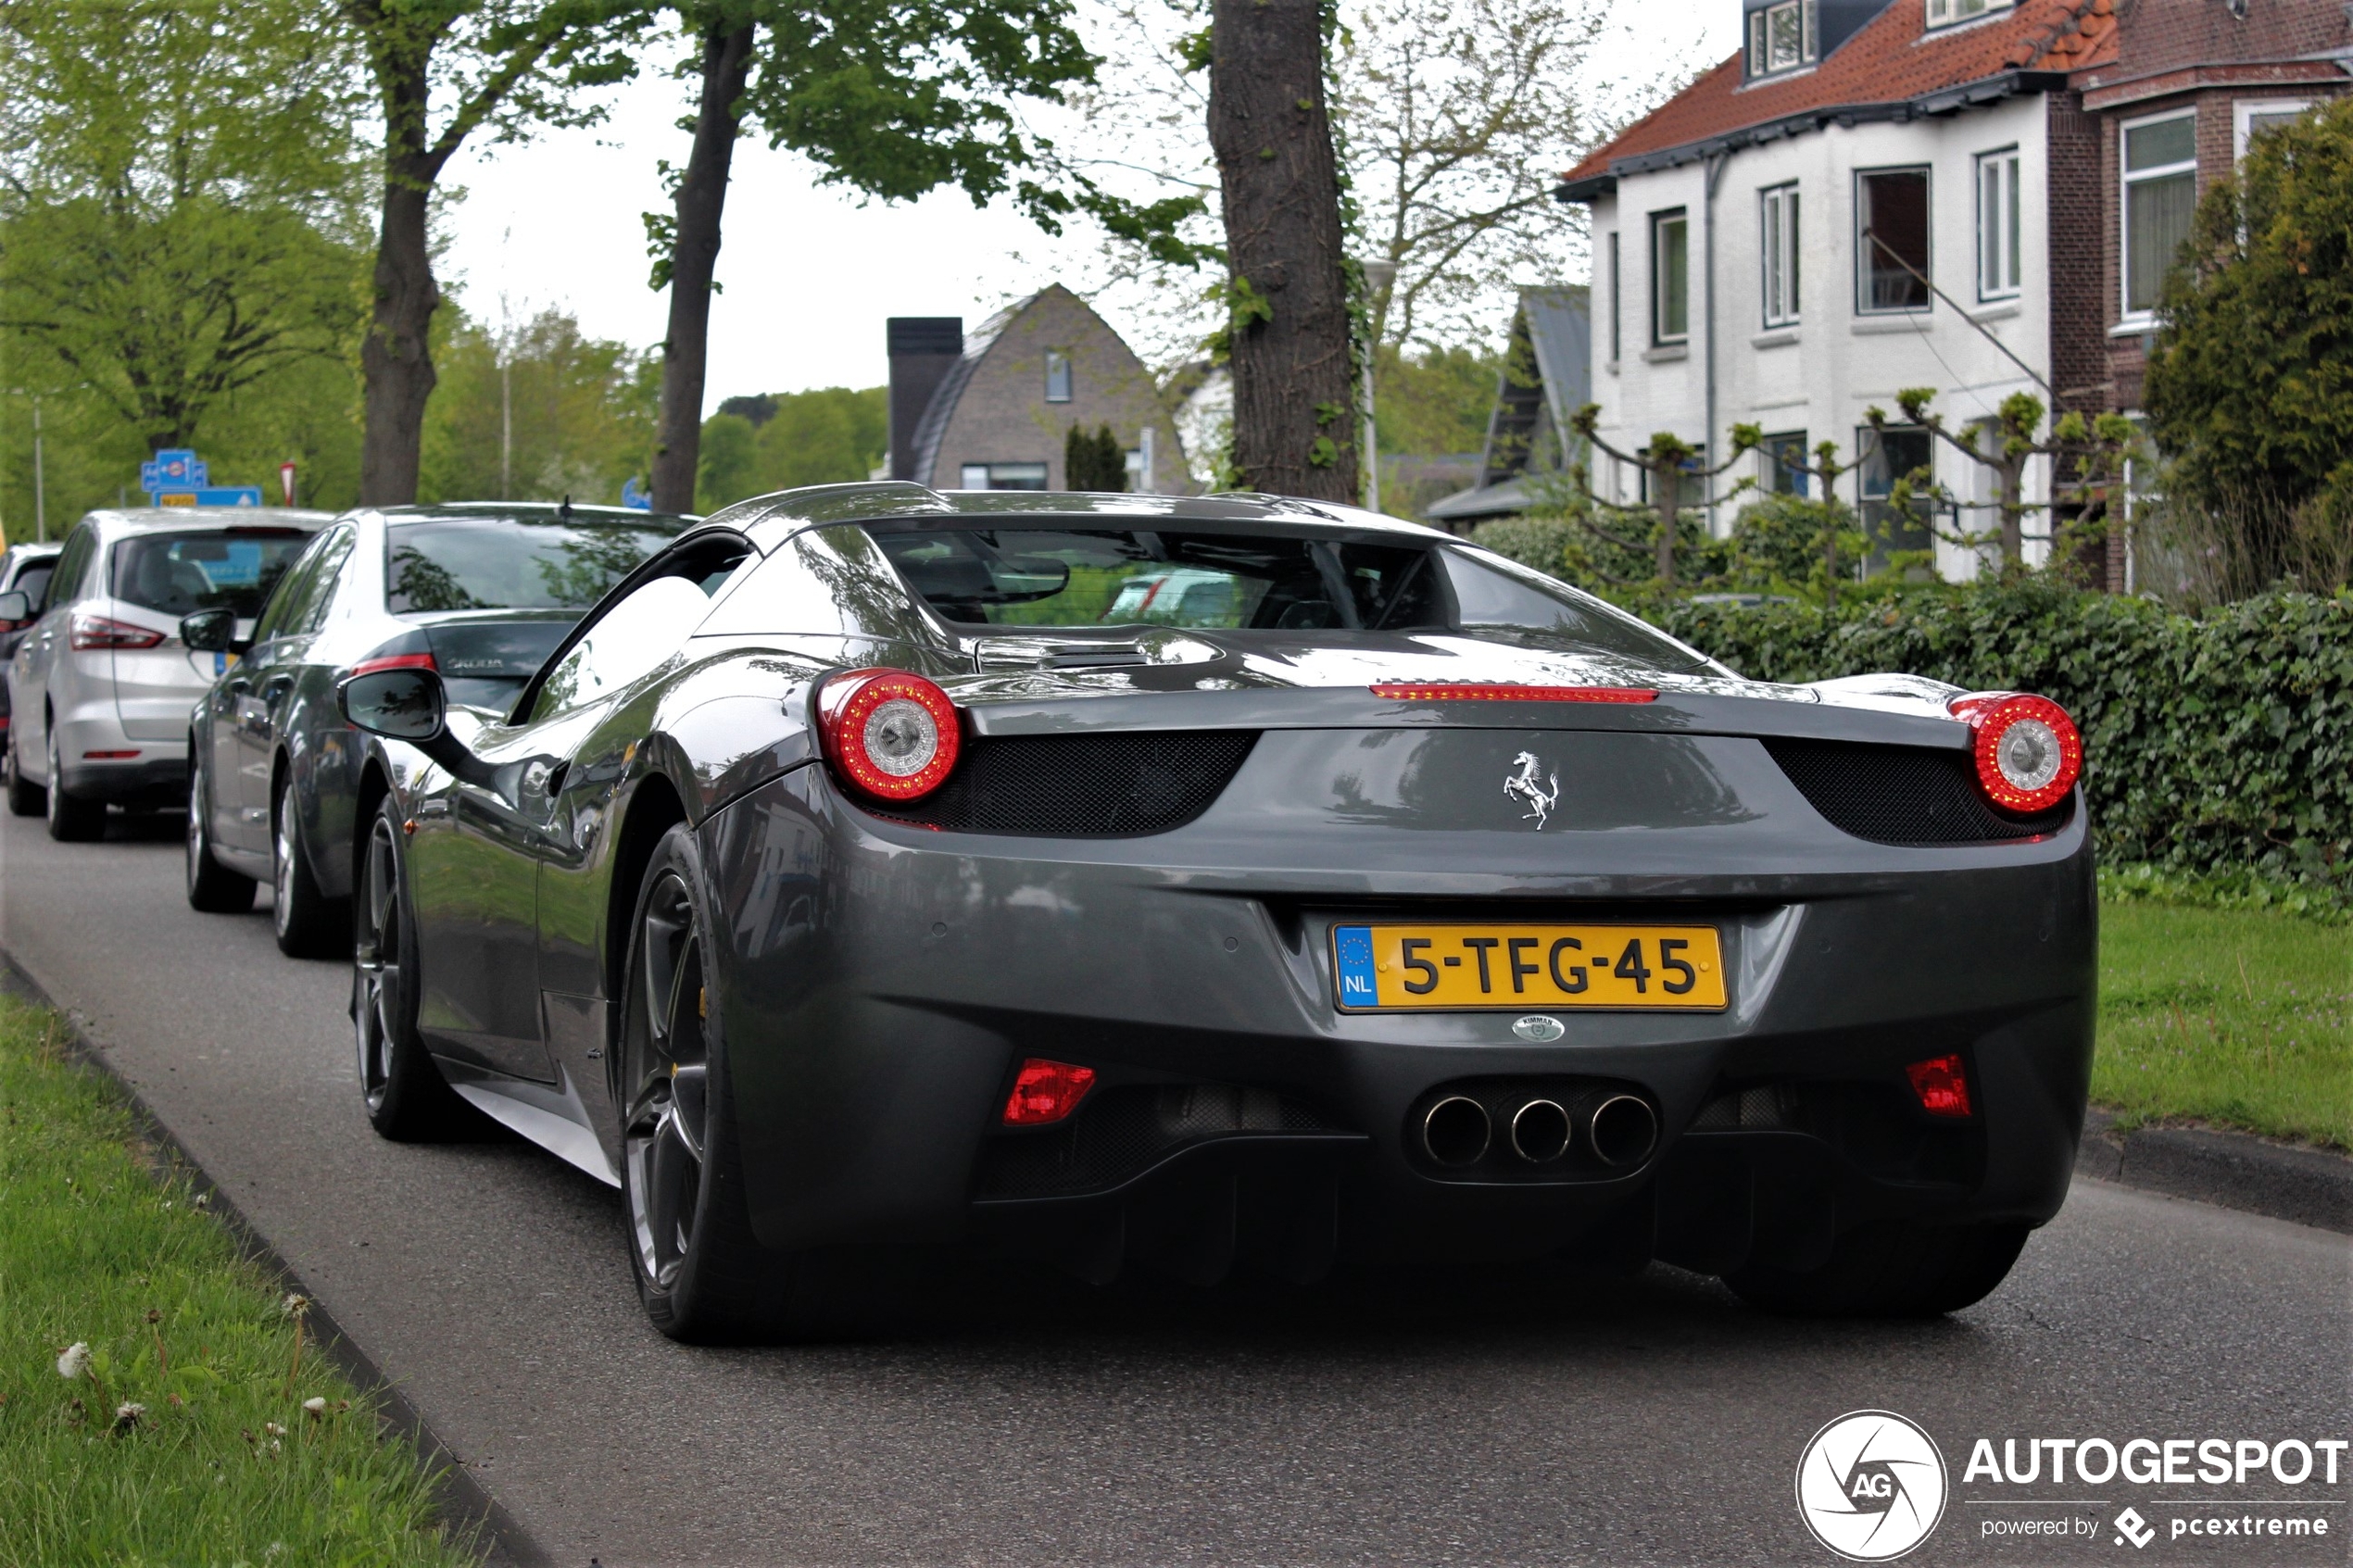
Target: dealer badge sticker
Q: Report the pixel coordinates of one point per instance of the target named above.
(1872, 1486)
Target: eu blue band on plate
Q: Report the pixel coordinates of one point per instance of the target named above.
(1357, 986)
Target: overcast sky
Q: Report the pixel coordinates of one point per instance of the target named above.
(808, 275)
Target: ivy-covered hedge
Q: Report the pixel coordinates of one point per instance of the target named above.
(2220, 742)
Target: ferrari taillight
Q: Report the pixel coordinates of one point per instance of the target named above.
(1940, 1086)
(91, 631)
(891, 733)
(1046, 1092)
(2029, 753)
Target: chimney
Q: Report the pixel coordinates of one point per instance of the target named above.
(922, 350)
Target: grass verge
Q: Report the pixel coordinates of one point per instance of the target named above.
(202, 1427)
(2238, 1016)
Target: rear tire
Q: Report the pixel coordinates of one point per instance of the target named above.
(72, 819)
(212, 887)
(704, 1277)
(25, 798)
(309, 924)
(1892, 1269)
(407, 1098)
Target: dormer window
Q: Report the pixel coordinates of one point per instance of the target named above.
(1782, 36)
(1945, 13)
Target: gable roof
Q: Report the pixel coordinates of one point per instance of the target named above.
(1891, 69)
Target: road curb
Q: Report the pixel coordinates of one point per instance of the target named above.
(464, 1507)
(2309, 1186)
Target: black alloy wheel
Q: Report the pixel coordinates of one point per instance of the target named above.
(71, 820)
(25, 798)
(407, 1098)
(212, 887)
(701, 1273)
(308, 924)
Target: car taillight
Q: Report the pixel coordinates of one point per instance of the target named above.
(1474, 691)
(2029, 753)
(97, 632)
(1045, 1091)
(892, 734)
(396, 661)
(1942, 1087)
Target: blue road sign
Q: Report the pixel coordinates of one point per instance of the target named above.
(634, 498)
(173, 469)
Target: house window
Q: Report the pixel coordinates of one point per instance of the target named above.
(2161, 195)
(1899, 452)
(1616, 333)
(1945, 13)
(1998, 213)
(1781, 37)
(1782, 457)
(1777, 221)
(1694, 490)
(1670, 277)
(2261, 115)
(1003, 476)
(1891, 240)
(1057, 376)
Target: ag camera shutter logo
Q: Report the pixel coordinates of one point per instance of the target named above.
(1872, 1486)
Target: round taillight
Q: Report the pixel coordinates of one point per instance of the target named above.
(891, 733)
(2029, 754)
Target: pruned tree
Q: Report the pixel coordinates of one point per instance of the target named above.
(2087, 460)
(505, 67)
(1672, 470)
(1288, 333)
(891, 98)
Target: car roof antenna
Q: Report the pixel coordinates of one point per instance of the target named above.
(564, 512)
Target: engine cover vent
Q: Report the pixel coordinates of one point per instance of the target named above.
(1902, 793)
(1105, 786)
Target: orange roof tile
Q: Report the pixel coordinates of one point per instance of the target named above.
(1891, 60)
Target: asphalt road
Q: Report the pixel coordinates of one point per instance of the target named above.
(1423, 1421)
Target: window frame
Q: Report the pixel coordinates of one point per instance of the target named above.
(1770, 453)
(1058, 362)
(1617, 298)
(1680, 217)
(2243, 112)
(1938, 15)
(1863, 246)
(2009, 167)
(1756, 48)
(1780, 216)
(2126, 179)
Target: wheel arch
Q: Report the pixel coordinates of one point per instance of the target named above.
(656, 805)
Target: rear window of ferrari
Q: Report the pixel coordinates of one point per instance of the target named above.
(1272, 581)
(509, 562)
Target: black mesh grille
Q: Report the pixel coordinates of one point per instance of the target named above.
(1095, 785)
(1902, 793)
(1122, 1132)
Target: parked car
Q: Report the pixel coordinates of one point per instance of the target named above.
(100, 683)
(479, 592)
(842, 886)
(24, 569)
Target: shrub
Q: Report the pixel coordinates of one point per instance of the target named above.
(2214, 743)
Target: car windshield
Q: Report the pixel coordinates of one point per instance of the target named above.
(1265, 581)
(226, 568)
(510, 562)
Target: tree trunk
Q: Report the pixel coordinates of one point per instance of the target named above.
(694, 256)
(1668, 477)
(396, 359)
(2013, 482)
(1294, 433)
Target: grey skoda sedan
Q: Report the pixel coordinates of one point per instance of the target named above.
(1232, 883)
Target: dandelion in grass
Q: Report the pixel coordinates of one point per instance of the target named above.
(315, 1408)
(73, 1362)
(273, 1429)
(128, 1415)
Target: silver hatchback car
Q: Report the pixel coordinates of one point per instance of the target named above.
(101, 684)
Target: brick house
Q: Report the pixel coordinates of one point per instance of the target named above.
(991, 411)
(1971, 194)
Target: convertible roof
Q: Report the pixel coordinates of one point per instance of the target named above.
(768, 519)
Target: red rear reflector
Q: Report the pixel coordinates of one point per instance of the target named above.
(92, 632)
(1426, 690)
(107, 756)
(1045, 1091)
(1941, 1085)
(394, 661)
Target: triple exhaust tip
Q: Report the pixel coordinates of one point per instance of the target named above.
(1618, 1129)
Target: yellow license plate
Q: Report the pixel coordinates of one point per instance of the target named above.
(1381, 968)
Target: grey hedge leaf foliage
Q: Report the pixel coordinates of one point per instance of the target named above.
(2216, 743)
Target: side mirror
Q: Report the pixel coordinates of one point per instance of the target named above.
(397, 704)
(14, 606)
(209, 631)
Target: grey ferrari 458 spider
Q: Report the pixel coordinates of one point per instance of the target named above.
(1220, 884)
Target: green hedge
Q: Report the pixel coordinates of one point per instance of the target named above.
(2220, 742)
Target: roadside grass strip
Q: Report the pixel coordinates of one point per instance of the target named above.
(160, 1401)
(2236, 1017)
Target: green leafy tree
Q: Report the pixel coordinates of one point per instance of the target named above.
(503, 67)
(2250, 389)
(728, 469)
(1095, 462)
(830, 436)
(574, 413)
